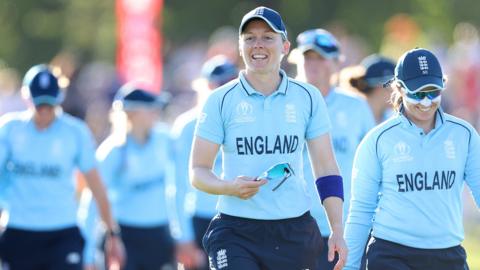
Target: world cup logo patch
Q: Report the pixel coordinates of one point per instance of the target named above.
(402, 152)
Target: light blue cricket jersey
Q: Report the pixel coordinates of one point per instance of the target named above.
(140, 183)
(38, 169)
(420, 179)
(195, 202)
(351, 119)
(137, 177)
(257, 132)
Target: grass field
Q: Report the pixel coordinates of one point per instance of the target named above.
(472, 245)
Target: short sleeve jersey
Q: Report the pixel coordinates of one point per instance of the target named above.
(256, 132)
(137, 175)
(38, 169)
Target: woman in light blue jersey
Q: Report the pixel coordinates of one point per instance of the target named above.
(408, 177)
(317, 57)
(39, 152)
(262, 121)
(136, 163)
(199, 206)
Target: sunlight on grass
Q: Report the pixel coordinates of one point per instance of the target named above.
(472, 245)
(471, 220)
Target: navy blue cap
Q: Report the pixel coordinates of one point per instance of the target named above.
(417, 69)
(270, 16)
(219, 70)
(378, 69)
(130, 97)
(320, 41)
(42, 86)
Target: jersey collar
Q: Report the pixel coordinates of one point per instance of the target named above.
(282, 88)
(439, 120)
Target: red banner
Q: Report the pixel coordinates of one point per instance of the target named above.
(139, 41)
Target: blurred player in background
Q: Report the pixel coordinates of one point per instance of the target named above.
(368, 79)
(199, 206)
(318, 57)
(39, 150)
(136, 163)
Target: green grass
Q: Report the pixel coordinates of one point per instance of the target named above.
(472, 245)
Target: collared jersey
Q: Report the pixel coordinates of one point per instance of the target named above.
(351, 119)
(412, 183)
(137, 177)
(256, 132)
(140, 184)
(194, 202)
(37, 169)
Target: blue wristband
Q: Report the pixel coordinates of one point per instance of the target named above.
(330, 186)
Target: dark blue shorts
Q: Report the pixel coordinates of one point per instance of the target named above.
(382, 254)
(148, 248)
(42, 250)
(234, 243)
(200, 226)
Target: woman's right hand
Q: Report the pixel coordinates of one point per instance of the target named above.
(245, 187)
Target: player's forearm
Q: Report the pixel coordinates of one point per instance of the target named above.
(205, 180)
(334, 208)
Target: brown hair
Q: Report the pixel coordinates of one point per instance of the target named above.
(396, 98)
(353, 78)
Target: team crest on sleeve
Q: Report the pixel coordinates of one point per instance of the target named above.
(244, 113)
(401, 152)
(202, 117)
(290, 113)
(449, 148)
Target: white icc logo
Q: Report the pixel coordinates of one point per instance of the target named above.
(422, 62)
(222, 260)
(449, 148)
(402, 152)
(244, 112)
(290, 113)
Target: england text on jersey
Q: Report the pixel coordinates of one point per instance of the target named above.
(260, 145)
(420, 181)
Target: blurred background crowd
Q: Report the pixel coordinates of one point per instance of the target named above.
(80, 37)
